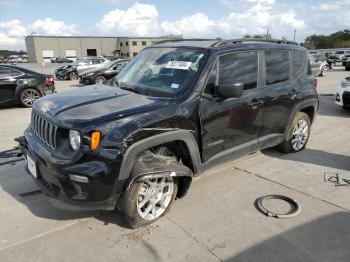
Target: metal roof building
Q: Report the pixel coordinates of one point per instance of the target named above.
(42, 48)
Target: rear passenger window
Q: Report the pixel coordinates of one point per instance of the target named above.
(241, 67)
(277, 66)
(296, 62)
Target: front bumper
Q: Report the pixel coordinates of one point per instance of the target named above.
(64, 191)
(343, 96)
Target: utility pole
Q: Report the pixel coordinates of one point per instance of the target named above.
(268, 31)
(295, 32)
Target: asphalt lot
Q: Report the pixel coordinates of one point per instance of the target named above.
(216, 221)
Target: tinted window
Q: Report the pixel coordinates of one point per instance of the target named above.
(239, 67)
(296, 61)
(277, 66)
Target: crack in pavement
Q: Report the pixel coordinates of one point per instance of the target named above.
(195, 239)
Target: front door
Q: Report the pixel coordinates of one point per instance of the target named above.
(232, 125)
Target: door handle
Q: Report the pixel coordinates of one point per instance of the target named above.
(293, 92)
(255, 102)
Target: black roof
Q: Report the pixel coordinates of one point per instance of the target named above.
(233, 43)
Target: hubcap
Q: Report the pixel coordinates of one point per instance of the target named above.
(300, 135)
(30, 96)
(154, 197)
(100, 80)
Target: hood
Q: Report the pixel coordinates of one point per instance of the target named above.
(85, 105)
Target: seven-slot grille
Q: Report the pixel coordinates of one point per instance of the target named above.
(44, 130)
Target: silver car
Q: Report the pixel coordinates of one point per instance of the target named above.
(318, 67)
(86, 64)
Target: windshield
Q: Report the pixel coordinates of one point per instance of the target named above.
(339, 52)
(166, 72)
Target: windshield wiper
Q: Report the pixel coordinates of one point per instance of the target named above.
(135, 90)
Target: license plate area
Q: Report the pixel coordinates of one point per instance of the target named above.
(31, 166)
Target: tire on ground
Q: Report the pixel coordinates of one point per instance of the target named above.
(286, 146)
(128, 205)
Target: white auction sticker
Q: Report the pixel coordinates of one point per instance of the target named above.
(183, 65)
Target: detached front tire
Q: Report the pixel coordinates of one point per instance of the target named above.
(147, 201)
(298, 134)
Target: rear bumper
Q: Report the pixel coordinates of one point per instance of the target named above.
(66, 192)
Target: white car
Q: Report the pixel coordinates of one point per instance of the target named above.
(343, 93)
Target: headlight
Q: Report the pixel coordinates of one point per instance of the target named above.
(74, 139)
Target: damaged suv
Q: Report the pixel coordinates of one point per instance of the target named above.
(177, 109)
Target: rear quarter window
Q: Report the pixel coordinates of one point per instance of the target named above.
(296, 57)
(277, 66)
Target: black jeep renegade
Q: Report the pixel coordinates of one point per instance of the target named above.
(175, 110)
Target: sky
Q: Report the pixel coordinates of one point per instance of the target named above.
(191, 18)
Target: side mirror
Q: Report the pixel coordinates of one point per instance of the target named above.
(231, 90)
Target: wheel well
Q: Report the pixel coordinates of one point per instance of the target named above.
(179, 150)
(310, 111)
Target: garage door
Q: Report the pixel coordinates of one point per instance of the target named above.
(71, 54)
(47, 55)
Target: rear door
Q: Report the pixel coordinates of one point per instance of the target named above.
(233, 124)
(8, 83)
(282, 92)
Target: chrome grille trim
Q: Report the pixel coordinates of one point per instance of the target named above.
(44, 130)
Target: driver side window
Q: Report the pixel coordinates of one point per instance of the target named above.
(240, 67)
(234, 68)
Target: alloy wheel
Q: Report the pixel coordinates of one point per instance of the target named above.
(154, 197)
(30, 96)
(300, 135)
(100, 79)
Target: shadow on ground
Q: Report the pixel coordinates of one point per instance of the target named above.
(324, 239)
(15, 181)
(314, 156)
(329, 108)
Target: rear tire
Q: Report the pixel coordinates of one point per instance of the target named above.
(100, 80)
(298, 134)
(28, 96)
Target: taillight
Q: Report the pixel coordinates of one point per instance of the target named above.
(315, 83)
(48, 80)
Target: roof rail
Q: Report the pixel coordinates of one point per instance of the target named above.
(241, 40)
(187, 40)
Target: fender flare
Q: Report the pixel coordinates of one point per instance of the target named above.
(135, 149)
(307, 103)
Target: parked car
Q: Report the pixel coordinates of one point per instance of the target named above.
(70, 71)
(60, 60)
(343, 93)
(19, 85)
(347, 64)
(91, 63)
(340, 53)
(318, 67)
(179, 108)
(344, 58)
(105, 74)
